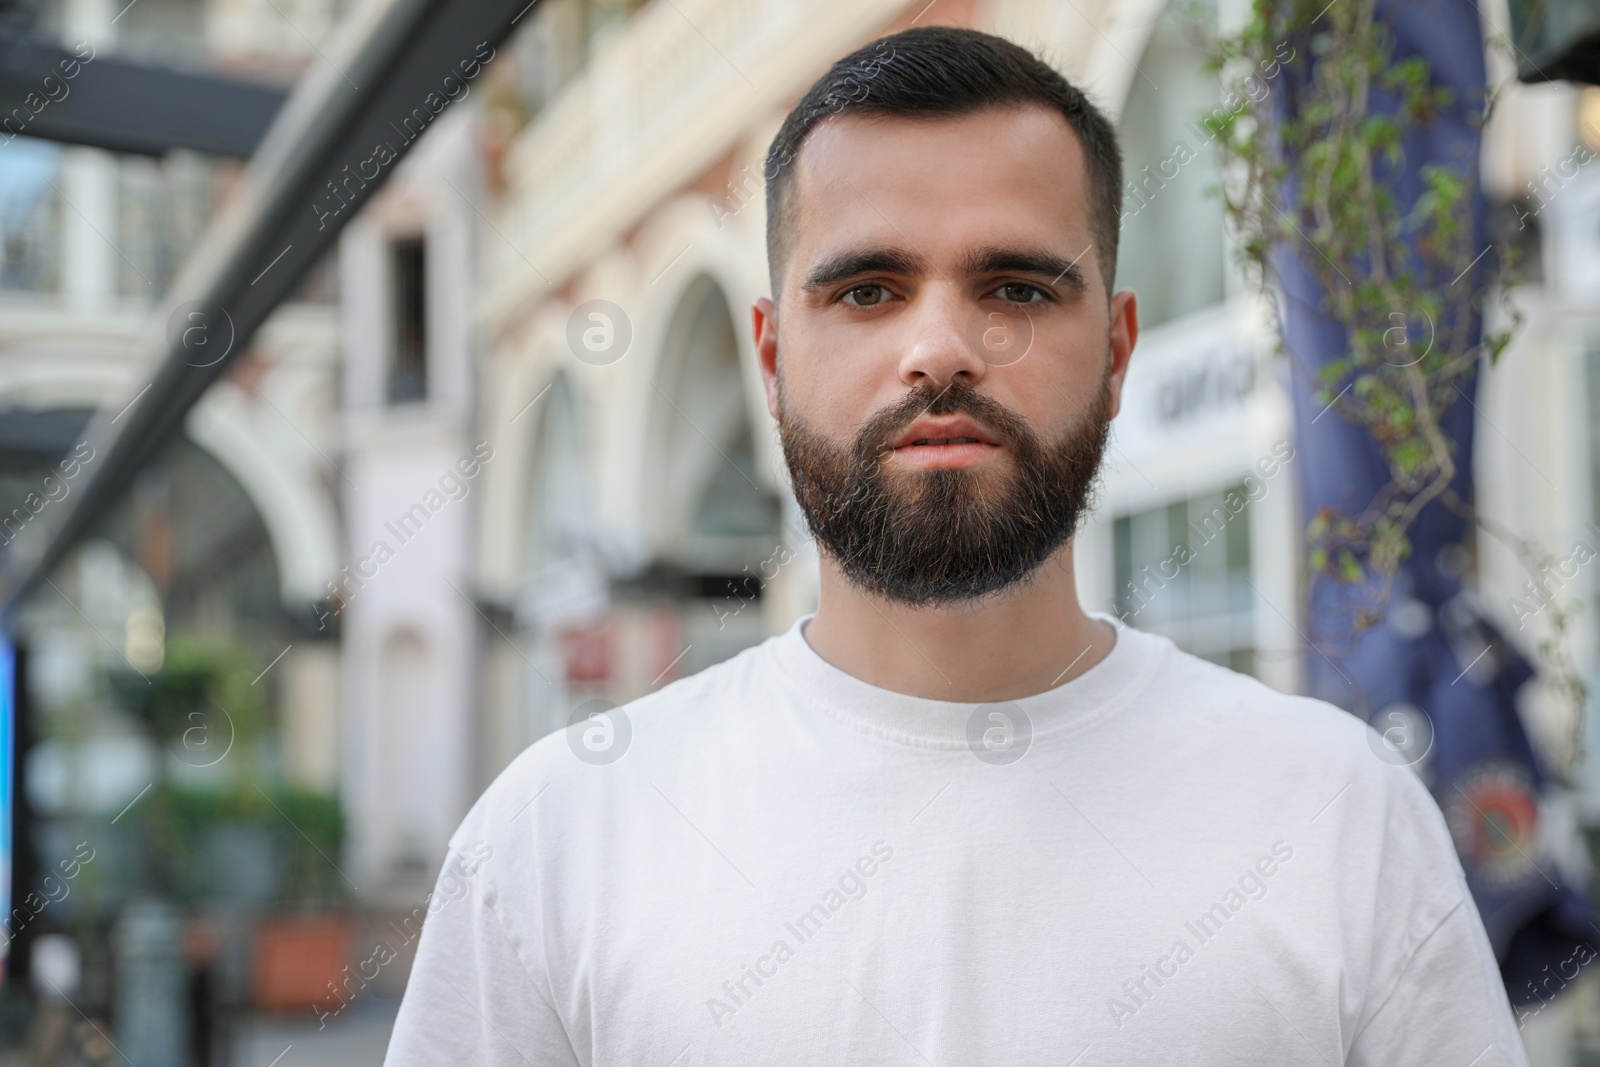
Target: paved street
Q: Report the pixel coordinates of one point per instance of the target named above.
(356, 1038)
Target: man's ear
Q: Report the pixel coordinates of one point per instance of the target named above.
(764, 327)
(1124, 335)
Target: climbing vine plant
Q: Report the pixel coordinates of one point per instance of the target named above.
(1405, 279)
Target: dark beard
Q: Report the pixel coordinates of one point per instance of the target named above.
(935, 537)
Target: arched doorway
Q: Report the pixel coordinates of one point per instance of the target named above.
(713, 519)
(565, 586)
(153, 685)
(708, 509)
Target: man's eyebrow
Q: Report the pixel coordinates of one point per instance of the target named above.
(1029, 261)
(843, 265)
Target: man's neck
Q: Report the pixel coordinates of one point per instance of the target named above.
(1016, 644)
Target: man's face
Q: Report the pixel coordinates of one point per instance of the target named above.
(949, 356)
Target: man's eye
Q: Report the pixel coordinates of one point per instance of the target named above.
(866, 295)
(1020, 293)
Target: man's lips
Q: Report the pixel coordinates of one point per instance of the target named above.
(945, 442)
(944, 430)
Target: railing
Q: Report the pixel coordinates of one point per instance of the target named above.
(30, 218)
(660, 102)
(147, 214)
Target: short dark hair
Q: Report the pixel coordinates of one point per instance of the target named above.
(931, 71)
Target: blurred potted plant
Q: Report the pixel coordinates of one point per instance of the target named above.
(223, 829)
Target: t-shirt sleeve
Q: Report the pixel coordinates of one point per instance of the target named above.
(1435, 995)
(1448, 1006)
(472, 996)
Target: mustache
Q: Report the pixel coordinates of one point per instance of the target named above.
(942, 536)
(879, 432)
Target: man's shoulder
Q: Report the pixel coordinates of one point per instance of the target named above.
(605, 745)
(1257, 752)
(1258, 721)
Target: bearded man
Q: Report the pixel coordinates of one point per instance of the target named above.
(952, 817)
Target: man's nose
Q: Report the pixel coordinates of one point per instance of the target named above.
(941, 346)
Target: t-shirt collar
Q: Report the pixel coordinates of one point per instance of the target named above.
(1087, 699)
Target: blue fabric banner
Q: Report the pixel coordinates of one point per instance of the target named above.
(1435, 676)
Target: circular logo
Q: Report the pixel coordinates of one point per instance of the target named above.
(599, 332)
(1001, 337)
(999, 734)
(1399, 340)
(207, 739)
(201, 332)
(1401, 735)
(598, 732)
(1494, 818)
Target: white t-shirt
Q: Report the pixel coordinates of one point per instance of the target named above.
(787, 865)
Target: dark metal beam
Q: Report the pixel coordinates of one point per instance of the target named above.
(391, 69)
(77, 96)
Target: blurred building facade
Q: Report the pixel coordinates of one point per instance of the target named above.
(91, 240)
(510, 453)
(211, 567)
(633, 525)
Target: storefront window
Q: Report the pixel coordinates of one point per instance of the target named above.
(1183, 570)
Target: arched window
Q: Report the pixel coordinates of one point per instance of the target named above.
(709, 509)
